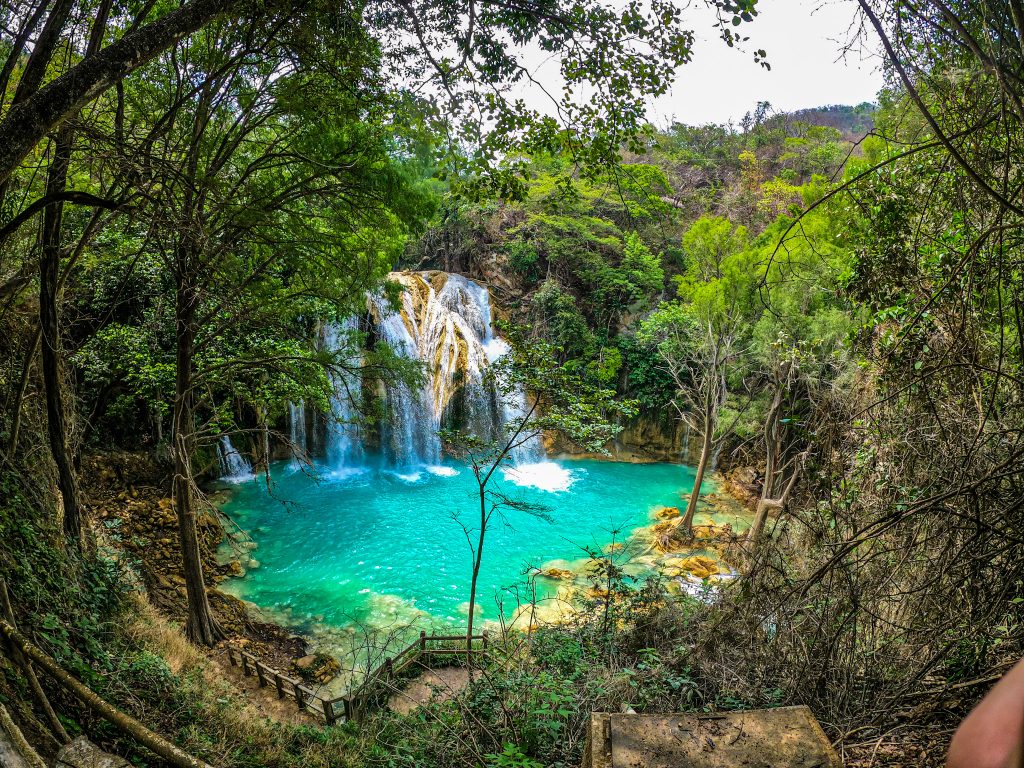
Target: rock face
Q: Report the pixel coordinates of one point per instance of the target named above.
(744, 484)
(658, 437)
(82, 753)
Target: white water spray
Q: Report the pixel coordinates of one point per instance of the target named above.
(234, 467)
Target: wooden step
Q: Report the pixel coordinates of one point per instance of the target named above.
(787, 737)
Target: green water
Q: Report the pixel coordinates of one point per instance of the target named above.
(373, 549)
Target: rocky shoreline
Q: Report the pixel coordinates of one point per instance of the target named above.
(128, 497)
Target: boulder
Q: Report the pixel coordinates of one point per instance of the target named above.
(712, 531)
(317, 667)
(82, 753)
(667, 513)
(700, 566)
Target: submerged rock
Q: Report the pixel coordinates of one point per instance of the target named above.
(711, 531)
(562, 574)
(667, 513)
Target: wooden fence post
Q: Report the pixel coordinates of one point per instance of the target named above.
(231, 657)
(279, 683)
(245, 664)
(484, 634)
(423, 640)
(260, 680)
(329, 712)
(299, 696)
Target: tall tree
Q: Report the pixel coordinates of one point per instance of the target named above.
(700, 337)
(263, 178)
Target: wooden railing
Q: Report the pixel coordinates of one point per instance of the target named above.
(379, 680)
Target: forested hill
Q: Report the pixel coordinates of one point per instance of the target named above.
(584, 262)
(255, 247)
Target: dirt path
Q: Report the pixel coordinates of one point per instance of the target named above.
(432, 684)
(263, 700)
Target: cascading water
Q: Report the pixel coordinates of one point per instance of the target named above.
(445, 323)
(233, 466)
(344, 442)
(297, 432)
(404, 439)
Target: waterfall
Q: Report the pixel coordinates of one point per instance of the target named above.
(233, 466)
(512, 406)
(344, 442)
(297, 430)
(404, 439)
(444, 322)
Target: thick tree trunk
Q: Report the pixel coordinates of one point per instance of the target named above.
(201, 626)
(49, 324)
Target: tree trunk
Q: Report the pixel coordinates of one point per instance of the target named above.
(159, 745)
(201, 626)
(18, 46)
(705, 458)
(771, 450)
(19, 396)
(30, 674)
(765, 504)
(477, 560)
(711, 399)
(49, 324)
(263, 450)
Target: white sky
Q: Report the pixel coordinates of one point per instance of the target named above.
(803, 40)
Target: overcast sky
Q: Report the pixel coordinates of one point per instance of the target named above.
(803, 39)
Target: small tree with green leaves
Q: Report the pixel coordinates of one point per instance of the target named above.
(560, 401)
(700, 337)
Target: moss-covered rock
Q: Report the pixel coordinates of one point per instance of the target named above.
(316, 667)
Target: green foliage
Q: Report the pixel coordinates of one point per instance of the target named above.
(67, 603)
(512, 757)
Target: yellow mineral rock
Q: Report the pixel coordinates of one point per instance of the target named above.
(700, 566)
(558, 573)
(667, 513)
